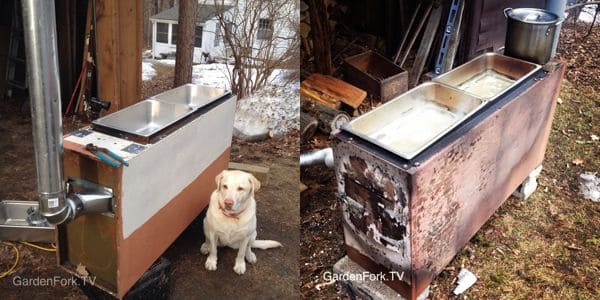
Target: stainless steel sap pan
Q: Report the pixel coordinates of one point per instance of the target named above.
(145, 118)
(192, 95)
(513, 68)
(431, 94)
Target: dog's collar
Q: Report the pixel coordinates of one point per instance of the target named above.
(231, 215)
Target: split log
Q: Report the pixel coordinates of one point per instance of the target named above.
(331, 91)
(330, 120)
(308, 126)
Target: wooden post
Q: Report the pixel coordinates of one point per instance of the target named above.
(321, 36)
(119, 51)
(185, 42)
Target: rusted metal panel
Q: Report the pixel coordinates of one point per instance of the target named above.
(450, 191)
(376, 74)
(374, 195)
(457, 190)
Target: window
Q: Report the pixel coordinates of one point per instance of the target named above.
(162, 32)
(265, 29)
(198, 37)
(174, 34)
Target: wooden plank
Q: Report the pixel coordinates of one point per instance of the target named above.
(107, 53)
(416, 33)
(261, 173)
(425, 47)
(330, 91)
(118, 51)
(315, 96)
(64, 25)
(130, 51)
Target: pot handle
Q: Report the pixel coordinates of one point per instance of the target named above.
(559, 22)
(506, 10)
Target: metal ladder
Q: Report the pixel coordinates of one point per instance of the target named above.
(16, 67)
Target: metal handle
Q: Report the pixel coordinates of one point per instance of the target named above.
(560, 21)
(117, 157)
(506, 10)
(107, 160)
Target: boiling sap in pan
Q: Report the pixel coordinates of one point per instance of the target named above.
(486, 84)
(416, 126)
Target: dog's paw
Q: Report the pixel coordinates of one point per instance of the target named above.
(205, 248)
(251, 257)
(239, 267)
(211, 263)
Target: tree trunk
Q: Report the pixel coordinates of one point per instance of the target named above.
(185, 42)
(320, 31)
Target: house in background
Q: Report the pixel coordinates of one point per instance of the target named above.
(208, 38)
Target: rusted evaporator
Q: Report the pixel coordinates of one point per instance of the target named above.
(415, 214)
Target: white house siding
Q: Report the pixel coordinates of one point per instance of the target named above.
(209, 35)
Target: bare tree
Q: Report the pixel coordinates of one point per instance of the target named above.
(260, 36)
(185, 42)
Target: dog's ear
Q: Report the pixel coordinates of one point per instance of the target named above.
(219, 178)
(255, 183)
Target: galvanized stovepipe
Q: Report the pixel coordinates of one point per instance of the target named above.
(39, 26)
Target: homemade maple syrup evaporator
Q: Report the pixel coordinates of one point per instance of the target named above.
(123, 189)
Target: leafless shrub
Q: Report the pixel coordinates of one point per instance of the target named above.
(260, 36)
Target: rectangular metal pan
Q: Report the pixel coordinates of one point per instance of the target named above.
(413, 121)
(144, 118)
(192, 95)
(489, 76)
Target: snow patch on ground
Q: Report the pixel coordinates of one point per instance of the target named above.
(275, 107)
(587, 14)
(214, 75)
(170, 62)
(589, 186)
(148, 71)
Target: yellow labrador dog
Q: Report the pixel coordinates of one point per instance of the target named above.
(231, 220)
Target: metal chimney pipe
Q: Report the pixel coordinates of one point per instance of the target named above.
(39, 25)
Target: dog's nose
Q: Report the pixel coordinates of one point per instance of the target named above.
(228, 203)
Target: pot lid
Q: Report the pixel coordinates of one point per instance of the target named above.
(533, 15)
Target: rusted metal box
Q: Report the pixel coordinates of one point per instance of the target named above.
(414, 216)
(376, 74)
